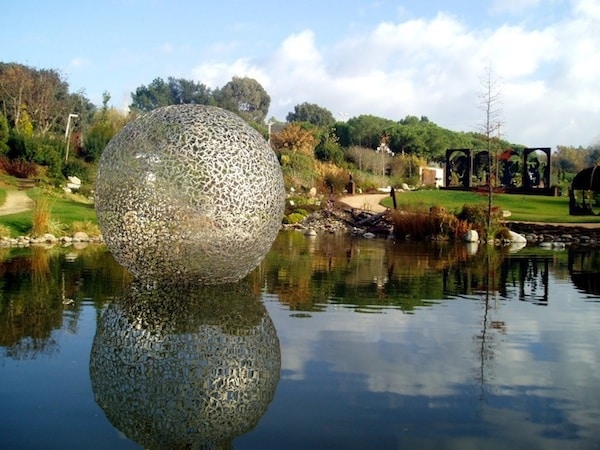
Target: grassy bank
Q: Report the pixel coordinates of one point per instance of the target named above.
(66, 213)
(69, 213)
(529, 208)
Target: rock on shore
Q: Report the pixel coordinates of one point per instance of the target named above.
(557, 236)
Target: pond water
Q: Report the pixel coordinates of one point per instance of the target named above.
(332, 342)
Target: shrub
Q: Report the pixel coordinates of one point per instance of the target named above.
(298, 170)
(476, 215)
(332, 177)
(86, 226)
(329, 151)
(293, 218)
(78, 168)
(502, 234)
(41, 150)
(18, 167)
(460, 228)
(4, 231)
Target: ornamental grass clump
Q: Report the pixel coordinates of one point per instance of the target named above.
(418, 224)
(42, 214)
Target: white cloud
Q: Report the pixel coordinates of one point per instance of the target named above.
(512, 6)
(79, 62)
(166, 48)
(216, 75)
(433, 67)
(588, 8)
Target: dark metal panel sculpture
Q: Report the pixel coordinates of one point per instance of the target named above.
(524, 172)
(189, 193)
(510, 168)
(459, 167)
(584, 195)
(536, 168)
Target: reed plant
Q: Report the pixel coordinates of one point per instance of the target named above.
(419, 224)
(42, 213)
(436, 223)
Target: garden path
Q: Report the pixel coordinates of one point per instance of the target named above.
(368, 202)
(16, 202)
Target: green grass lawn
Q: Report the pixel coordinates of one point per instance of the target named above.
(64, 211)
(530, 208)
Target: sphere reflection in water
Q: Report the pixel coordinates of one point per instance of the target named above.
(184, 374)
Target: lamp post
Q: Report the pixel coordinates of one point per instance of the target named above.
(68, 133)
(270, 124)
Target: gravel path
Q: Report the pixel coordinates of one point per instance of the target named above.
(368, 202)
(16, 202)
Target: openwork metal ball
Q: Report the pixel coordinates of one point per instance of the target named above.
(189, 193)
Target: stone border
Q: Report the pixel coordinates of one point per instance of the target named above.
(50, 239)
(557, 236)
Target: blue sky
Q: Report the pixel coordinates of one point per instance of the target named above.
(388, 58)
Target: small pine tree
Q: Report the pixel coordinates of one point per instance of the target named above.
(4, 134)
(24, 125)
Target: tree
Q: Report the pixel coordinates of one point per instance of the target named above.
(406, 139)
(49, 102)
(188, 91)
(365, 159)
(569, 160)
(106, 123)
(295, 139)
(4, 134)
(328, 149)
(174, 91)
(311, 113)
(490, 100)
(406, 167)
(410, 120)
(15, 82)
(342, 133)
(593, 158)
(155, 95)
(366, 130)
(246, 97)
(43, 95)
(24, 125)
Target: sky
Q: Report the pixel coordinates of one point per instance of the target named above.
(381, 57)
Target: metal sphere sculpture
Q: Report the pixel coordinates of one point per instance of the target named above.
(185, 374)
(189, 193)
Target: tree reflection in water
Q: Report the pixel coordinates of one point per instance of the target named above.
(584, 267)
(163, 360)
(36, 284)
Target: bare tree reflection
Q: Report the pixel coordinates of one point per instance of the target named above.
(486, 337)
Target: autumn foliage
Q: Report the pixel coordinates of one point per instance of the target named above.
(295, 139)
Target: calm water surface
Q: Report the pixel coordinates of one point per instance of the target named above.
(331, 342)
